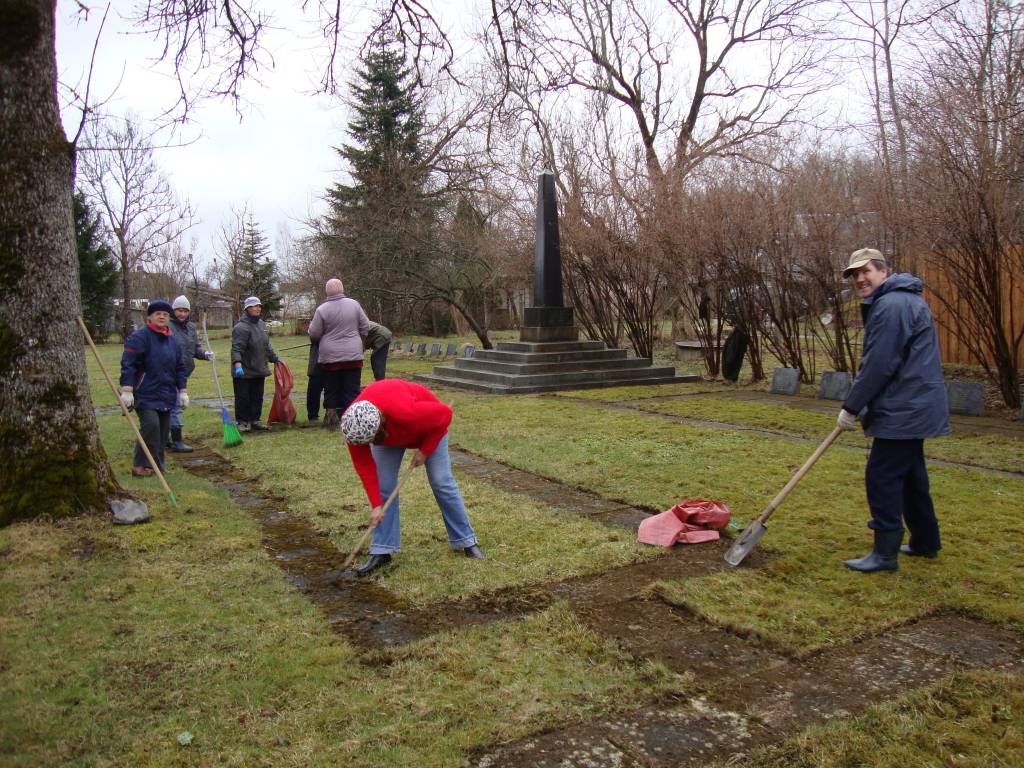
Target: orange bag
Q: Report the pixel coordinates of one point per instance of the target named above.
(690, 522)
(282, 409)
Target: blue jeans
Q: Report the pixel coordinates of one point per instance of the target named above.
(446, 491)
(176, 422)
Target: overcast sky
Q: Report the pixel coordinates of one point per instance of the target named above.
(278, 158)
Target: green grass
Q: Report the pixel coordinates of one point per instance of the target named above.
(113, 641)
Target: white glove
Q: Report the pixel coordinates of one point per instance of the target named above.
(210, 356)
(127, 398)
(846, 420)
(183, 399)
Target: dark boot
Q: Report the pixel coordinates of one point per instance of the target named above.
(930, 554)
(474, 552)
(177, 445)
(371, 565)
(259, 426)
(883, 556)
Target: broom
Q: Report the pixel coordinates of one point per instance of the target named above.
(232, 436)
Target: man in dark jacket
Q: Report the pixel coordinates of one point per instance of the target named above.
(250, 353)
(191, 350)
(900, 397)
(153, 381)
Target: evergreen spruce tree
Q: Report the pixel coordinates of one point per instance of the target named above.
(97, 270)
(259, 270)
(380, 226)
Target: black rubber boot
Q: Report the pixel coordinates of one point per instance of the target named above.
(474, 552)
(371, 565)
(177, 445)
(883, 557)
(930, 554)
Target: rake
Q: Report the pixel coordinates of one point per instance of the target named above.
(366, 535)
(124, 412)
(232, 436)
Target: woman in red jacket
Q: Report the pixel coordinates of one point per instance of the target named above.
(395, 415)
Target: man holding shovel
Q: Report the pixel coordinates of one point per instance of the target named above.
(900, 397)
(396, 415)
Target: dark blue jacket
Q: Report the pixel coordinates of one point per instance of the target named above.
(152, 364)
(899, 386)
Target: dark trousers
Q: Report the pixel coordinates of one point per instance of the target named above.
(379, 362)
(248, 399)
(155, 426)
(340, 387)
(314, 391)
(897, 484)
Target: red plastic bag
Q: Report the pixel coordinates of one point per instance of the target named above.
(689, 522)
(282, 410)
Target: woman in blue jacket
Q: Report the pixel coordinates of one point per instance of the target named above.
(153, 381)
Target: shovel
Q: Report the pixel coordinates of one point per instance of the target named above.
(366, 535)
(749, 538)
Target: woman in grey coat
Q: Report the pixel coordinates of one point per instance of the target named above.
(250, 354)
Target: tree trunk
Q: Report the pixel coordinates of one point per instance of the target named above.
(51, 459)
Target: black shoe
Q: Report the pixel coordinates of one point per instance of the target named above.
(259, 426)
(474, 552)
(371, 565)
(906, 550)
(177, 444)
(882, 557)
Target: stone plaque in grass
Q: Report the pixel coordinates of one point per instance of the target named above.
(785, 381)
(835, 385)
(965, 397)
(421, 349)
(435, 350)
(451, 350)
(468, 350)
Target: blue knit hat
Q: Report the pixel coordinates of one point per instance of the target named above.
(158, 306)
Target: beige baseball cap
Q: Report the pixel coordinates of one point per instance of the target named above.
(861, 257)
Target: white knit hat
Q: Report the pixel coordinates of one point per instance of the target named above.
(252, 301)
(181, 303)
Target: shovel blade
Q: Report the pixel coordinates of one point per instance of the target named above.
(745, 543)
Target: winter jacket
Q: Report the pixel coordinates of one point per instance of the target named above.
(152, 365)
(899, 387)
(339, 326)
(250, 346)
(413, 418)
(188, 339)
(377, 336)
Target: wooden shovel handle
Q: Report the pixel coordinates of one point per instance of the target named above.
(799, 475)
(368, 531)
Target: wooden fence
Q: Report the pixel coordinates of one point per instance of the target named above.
(948, 315)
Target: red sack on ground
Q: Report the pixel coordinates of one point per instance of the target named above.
(282, 409)
(689, 522)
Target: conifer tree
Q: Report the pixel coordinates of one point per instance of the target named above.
(97, 269)
(260, 270)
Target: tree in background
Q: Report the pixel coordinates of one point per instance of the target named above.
(121, 180)
(97, 270)
(382, 221)
(260, 269)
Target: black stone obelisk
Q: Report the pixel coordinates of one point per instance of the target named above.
(548, 319)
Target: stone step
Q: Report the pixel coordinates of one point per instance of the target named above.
(548, 346)
(516, 386)
(530, 368)
(504, 356)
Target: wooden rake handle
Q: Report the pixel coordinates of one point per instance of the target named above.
(124, 411)
(369, 531)
(799, 475)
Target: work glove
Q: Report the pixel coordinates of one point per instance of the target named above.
(210, 356)
(183, 399)
(238, 372)
(127, 398)
(846, 420)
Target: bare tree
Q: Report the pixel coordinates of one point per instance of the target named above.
(966, 142)
(119, 176)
